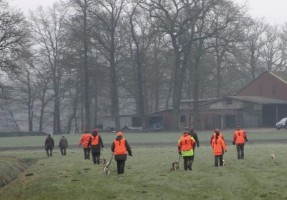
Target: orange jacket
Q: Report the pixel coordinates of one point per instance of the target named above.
(120, 146)
(95, 140)
(186, 142)
(218, 146)
(239, 137)
(213, 136)
(84, 141)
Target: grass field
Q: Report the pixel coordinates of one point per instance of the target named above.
(147, 174)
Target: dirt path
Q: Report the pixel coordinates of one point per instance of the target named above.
(154, 144)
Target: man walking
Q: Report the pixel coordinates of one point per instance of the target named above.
(121, 148)
(63, 145)
(186, 145)
(84, 142)
(49, 145)
(96, 144)
(239, 138)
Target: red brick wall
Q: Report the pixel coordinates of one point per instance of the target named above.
(266, 85)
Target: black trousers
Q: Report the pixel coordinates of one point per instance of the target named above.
(96, 157)
(187, 162)
(121, 166)
(121, 160)
(49, 151)
(63, 151)
(240, 151)
(218, 158)
(87, 153)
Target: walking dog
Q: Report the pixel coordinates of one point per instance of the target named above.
(174, 166)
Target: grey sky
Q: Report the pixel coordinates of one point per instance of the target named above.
(273, 11)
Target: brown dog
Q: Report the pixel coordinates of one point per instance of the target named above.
(106, 170)
(174, 166)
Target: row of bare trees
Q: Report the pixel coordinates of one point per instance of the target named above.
(66, 67)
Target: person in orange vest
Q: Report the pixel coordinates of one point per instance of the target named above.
(84, 142)
(239, 138)
(120, 147)
(96, 144)
(186, 145)
(214, 134)
(219, 147)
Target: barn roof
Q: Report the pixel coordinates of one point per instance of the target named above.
(258, 99)
(282, 75)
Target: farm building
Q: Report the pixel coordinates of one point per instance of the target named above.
(261, 103)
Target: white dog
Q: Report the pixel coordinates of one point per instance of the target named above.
(273, 156)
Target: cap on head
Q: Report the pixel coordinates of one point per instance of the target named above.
(119, 134)
(238, 127)
(95, 130)
(216, 131)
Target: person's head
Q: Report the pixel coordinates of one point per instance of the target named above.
(86, 131)
(185, 133)
(63, 136)
(95, 131)
(216, 131)
(119, 134)
(238, 127)
(191, 129)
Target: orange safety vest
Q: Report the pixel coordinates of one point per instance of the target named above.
(85, 140)
(186, 143)
(239, 137)
(218, 146)
(214, 135)
(95, 140)
(120, 146)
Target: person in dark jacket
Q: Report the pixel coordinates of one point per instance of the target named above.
(63, 145)
(96, 144)
(193, 134)
(121, 148)
(49, 145)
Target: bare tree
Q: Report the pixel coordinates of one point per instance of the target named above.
(48, 31)
(106, 15)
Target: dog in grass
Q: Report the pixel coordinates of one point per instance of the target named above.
(174, 166)
(273, 156)
(223, 161)
(106, 170)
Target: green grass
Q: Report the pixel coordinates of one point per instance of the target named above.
(73, 139)
(147, 173)
(147, 176)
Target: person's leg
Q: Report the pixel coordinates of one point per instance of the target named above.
(185, 160)
(94, 157)
(238, 151)
(61, 150)
(216, 161)
(118, 166)
(88, 153)
(221, 160)
(47, 151)
(65, 151)
(189, 162)
(242, 150)
(51, 151)
(97, 156)
(122, 167)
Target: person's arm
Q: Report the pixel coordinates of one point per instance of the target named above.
(101, 142)
(113, 147)
(129, 148)
(234, 139)
(196, 140)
